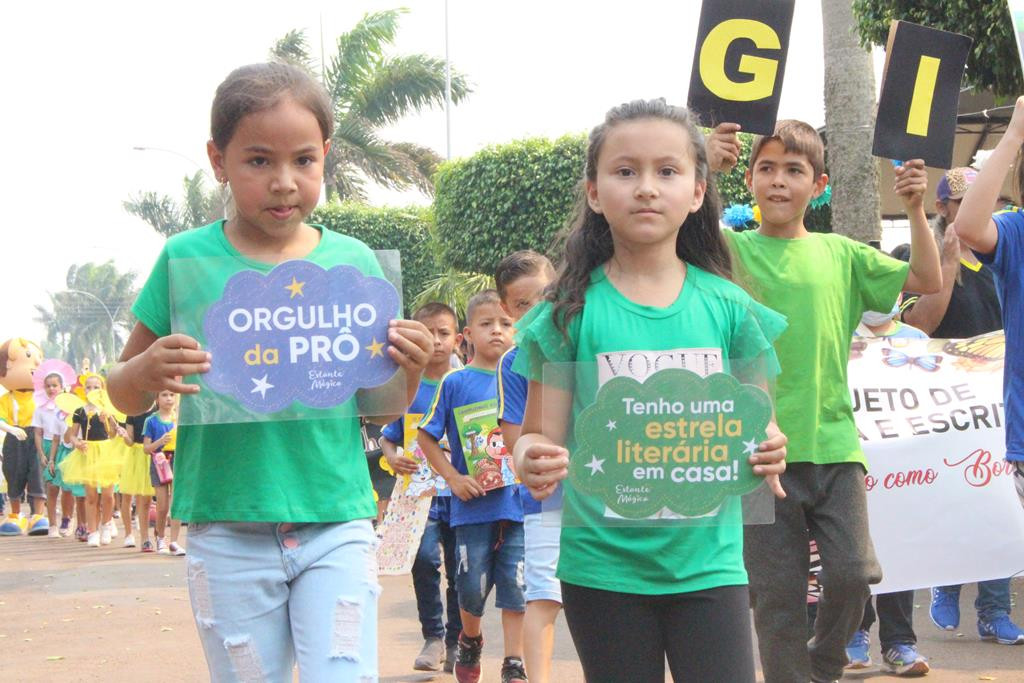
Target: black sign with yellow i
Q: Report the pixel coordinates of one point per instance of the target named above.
(920, 93)
(739, 62)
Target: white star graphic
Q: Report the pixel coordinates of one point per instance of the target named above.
(595, 465)
(750, 447)
(261, 385)
(611, 425)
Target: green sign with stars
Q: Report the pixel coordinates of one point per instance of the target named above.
(676, 441)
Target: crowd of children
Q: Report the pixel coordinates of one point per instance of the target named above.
(88, 457)
(281, 566)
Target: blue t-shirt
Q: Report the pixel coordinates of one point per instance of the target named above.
(1007, 263)
(511, 406)
(462, 388)
(155, 428)
(395, 433)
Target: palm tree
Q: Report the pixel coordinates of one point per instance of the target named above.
(92, 317)
(850, 121)
(169, 217)
(371, 90)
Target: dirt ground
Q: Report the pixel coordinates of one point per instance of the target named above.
(73, 613)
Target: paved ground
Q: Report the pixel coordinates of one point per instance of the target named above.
(73, 613)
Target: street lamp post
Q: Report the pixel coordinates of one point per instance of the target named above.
(113, 336)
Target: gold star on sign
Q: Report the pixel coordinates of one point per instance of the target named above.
(376, 348)
(295, 288)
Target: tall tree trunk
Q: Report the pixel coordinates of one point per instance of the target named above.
(850, 121)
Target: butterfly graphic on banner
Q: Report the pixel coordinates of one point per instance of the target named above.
(897, 359)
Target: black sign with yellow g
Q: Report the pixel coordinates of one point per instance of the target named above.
(739, 62)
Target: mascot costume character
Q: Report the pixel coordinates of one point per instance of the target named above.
(19, 358)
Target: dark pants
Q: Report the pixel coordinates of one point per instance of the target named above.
(426, 581)
(625, 637)
(827, 503)
(895, 618)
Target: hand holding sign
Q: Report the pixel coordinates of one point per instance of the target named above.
(723, 147)
(911, 182)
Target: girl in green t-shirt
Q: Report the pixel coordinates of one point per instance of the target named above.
(281, 565)
(645, 272)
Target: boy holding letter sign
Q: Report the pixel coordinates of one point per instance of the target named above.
(739, 61)
(822, 284)
(920, 91)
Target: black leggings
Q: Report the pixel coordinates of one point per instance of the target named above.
(626, 637)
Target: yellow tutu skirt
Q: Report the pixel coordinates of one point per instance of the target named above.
(135, 472)
(99, 465)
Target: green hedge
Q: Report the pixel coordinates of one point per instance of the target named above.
(405, 229)
(506, 197)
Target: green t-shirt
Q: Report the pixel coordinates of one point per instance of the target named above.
(823, 284)
(712, 325)
(259, 471)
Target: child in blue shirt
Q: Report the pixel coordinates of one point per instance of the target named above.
(998, 242)
(521, 278)
(439, 638)
(487, 515)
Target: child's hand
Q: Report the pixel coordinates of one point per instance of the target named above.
(400, 463)
(1015, 129)
(950, 256)
(51, 466)
(723, 147)
(544, 465)
(166, 361)
(466, 487)
(911, 182)
(770, 459)
(81, 445)
(411, 345)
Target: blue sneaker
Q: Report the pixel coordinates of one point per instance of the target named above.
(857, 650)
(1002, 630)
(39, 525)
(945, 609)
(905, 660)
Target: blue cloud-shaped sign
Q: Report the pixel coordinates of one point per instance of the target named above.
(300, 333)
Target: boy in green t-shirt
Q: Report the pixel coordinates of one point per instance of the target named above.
(822, 283)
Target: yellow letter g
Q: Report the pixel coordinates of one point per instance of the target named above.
(712, 60)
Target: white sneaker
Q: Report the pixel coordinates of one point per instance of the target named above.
(129, 541)
(176, 549)
(105, 535)
(54, 532)
(112, 528)
(161, 547)
(94, 540)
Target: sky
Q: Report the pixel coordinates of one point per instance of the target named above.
(86, 85)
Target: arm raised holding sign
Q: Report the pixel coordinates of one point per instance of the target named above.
(925, 276)
(974, 223)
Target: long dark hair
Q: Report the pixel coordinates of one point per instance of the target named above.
(588, 240)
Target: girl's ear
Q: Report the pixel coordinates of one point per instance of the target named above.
(592, 199)
(748, 176)
(216, 161)
(820, 184)
(700, 189)
(327, 147)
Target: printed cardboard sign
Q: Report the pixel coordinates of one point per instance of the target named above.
(483, 447)
(920, 94)
(300, 333)
(424, 481)
(399, 533)
(739, 62)
(676, 441)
